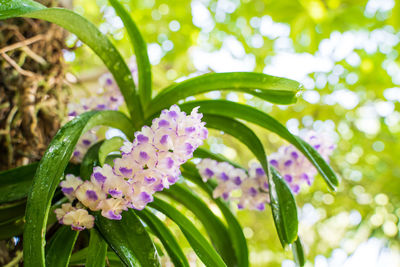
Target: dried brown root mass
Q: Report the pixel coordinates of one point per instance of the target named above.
(32, 89)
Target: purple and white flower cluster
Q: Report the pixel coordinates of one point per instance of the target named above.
(249, 190)
(108, 97)
(294, 167)
(252, 188)
(149, 164)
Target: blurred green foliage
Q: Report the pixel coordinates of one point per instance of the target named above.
(345, 52)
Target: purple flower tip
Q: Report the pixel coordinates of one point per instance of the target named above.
(224, 177)
(288, 163)
(170, 163)
(288, 178)
(172, 114)
(109, 81)
(114, 192)
(164, 139)
(261, 206)
(189, 148)
(225, 195)
(190, 129)
(67, 190)
(77, 228)
(296, 188)
(163, 123)
(274, 162)
(91, 195)
(159, 187)
(146, 197)
(86, 142)
(125, 171)
(266, 185)
(252, 191)
(172, 179)
(99, 177)
(294, 155)
(144, 155)
(260, 171)
(209, 172)
(112, 216)
(237, 180)
(142, 138)
(149, 180)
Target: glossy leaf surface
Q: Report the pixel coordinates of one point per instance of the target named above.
(200, 245)
(129, 239)
(140, 48)
(166, 237)
(216, 230)
(270, 88)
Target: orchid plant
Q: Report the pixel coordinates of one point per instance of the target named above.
(111, 188)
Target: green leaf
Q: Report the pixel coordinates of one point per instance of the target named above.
(129, 239)
(90, 160)
(200, 245)
(284, 210)
(234, 229)
(216, 230)
(79, 258)
(250, 114)
(298, 253)
(58, 251)
(88, 34)
(283, 204)
(49, 172)
(12, 211)
(97, 250)
(140, 48)
(15, 8)
(166, 237)
(274, 89)
(108, 146)
(16, 183)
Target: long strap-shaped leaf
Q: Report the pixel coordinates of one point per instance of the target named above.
(79, 258)
(49, 172)
(283, 204)
(140, 48)
(200, 245)
(166, 237)
(235, 230)
(60, 247)
(97, 250)
(250, 114)
(298, 253)
(90, 35)
(129, 239)
(213, 225)
(16, 183)
(274, 89)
